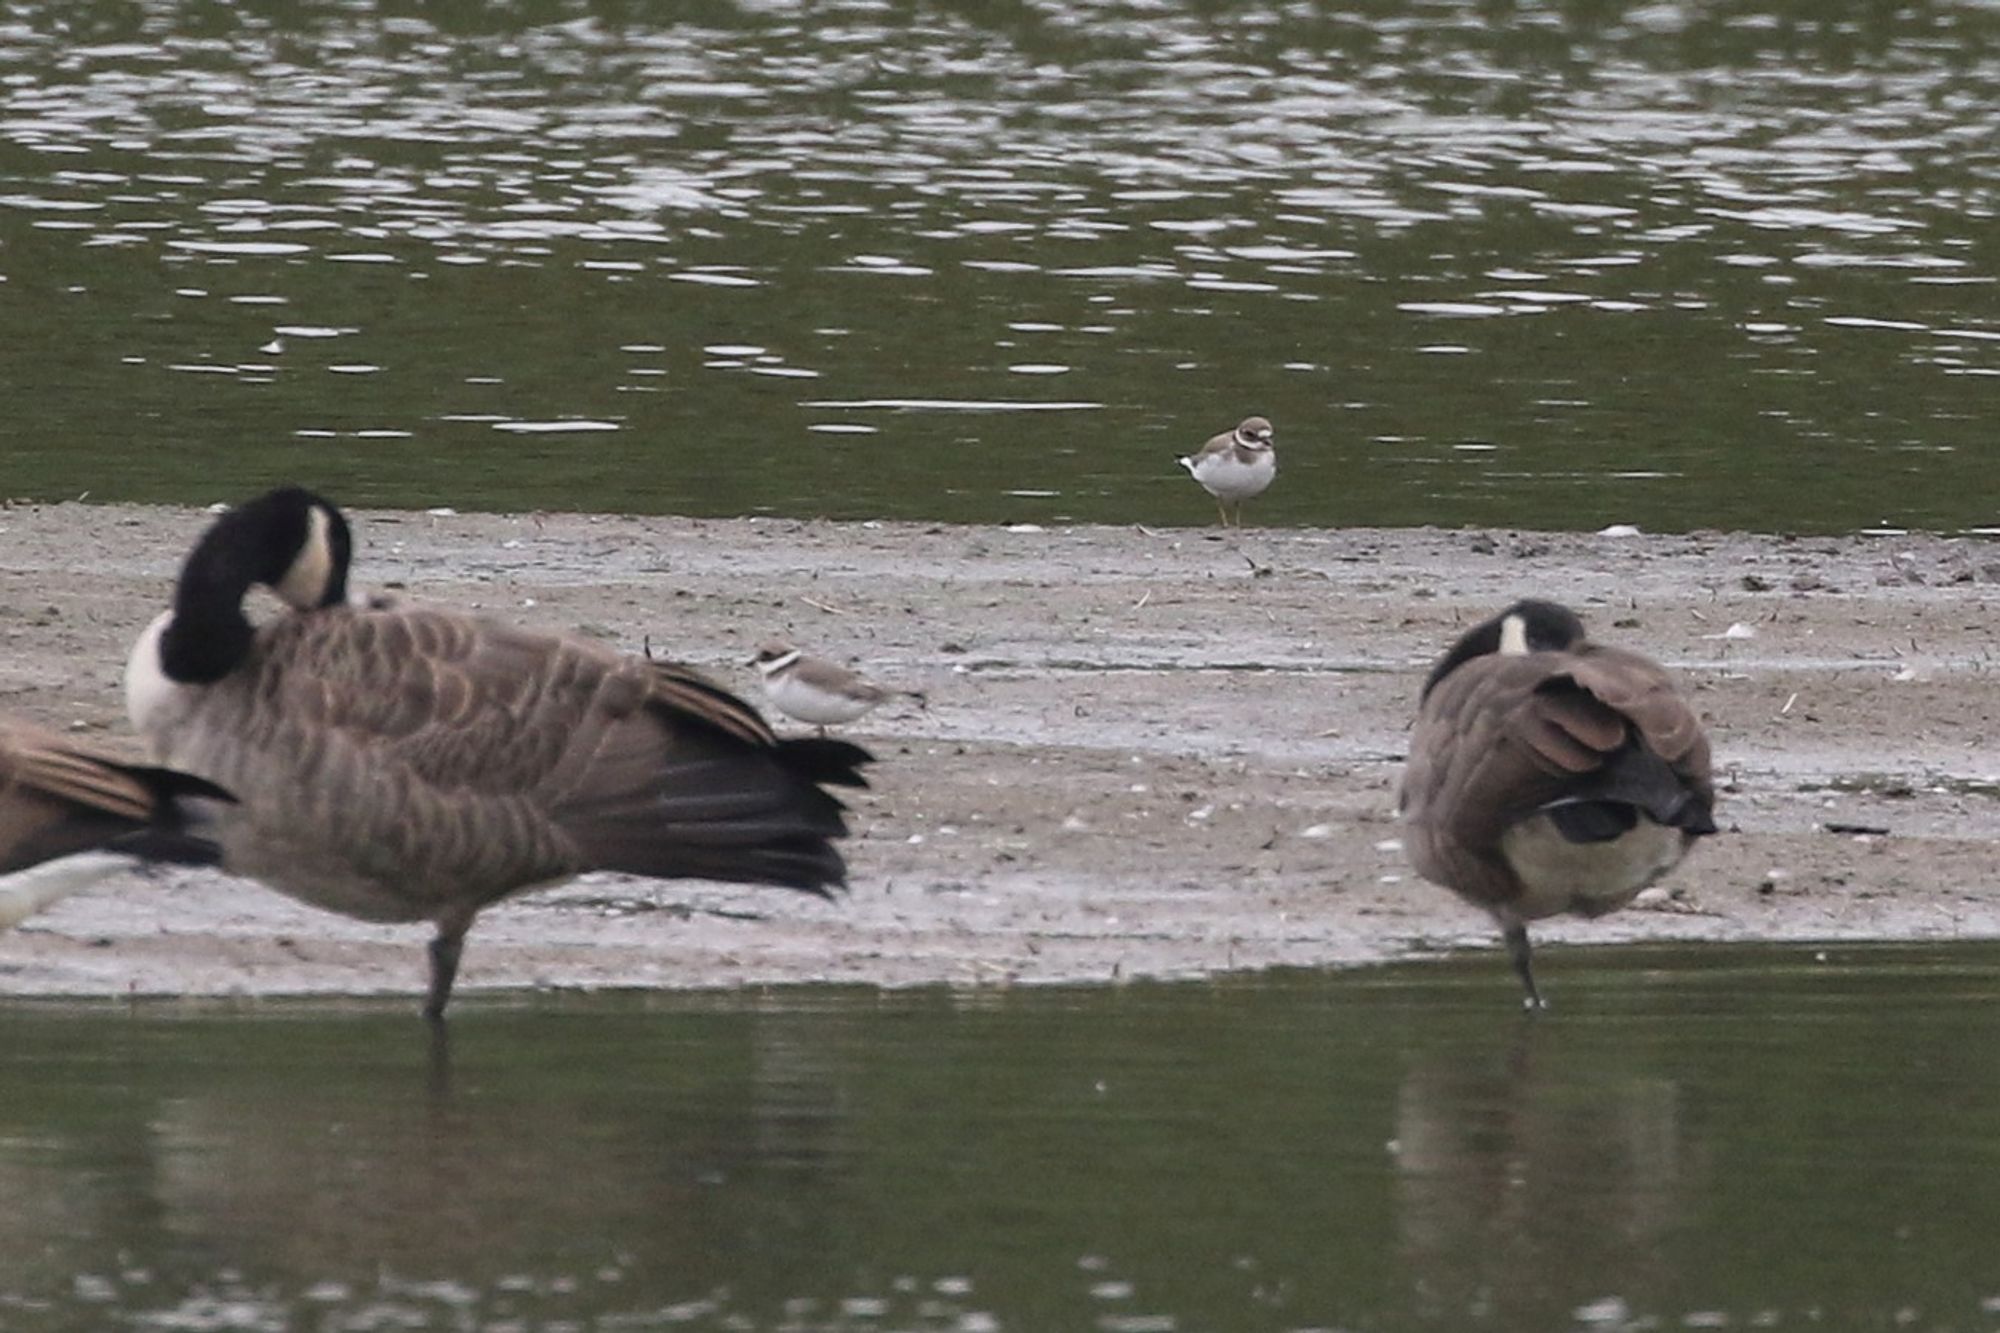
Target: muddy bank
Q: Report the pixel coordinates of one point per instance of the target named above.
(1146, 753)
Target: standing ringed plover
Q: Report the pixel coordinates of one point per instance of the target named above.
(1234, 466)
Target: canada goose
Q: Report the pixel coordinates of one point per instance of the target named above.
(89, 814)
(1234, 466)
(814, 690)
(1549, 774)
(399, 763)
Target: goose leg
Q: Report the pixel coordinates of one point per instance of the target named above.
(446, 947)
(1516, 936)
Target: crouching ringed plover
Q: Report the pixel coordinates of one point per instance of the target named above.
(816, 691)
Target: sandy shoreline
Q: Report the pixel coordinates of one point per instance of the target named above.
(1147, 753)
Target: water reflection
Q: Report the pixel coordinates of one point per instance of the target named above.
(1681, 265)
(1506, 1159)
(263, 1171)
(1703, 1137)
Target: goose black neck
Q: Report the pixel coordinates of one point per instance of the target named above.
(1477, 642)
(209, 636)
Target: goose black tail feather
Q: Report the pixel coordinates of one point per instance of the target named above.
(738, 854)
(821, 759)
(1634, 782)
(178, 817)
(1593, 821)
(807, 863)
(46, 828)
(177, 846)
(170, 785)
(752, 815)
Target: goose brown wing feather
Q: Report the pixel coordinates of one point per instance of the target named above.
(447, 758)
(451, 701)
(686, 690)
(698, 785)
(1487, 749)
(1642, 692)
(54, 801)
(32, 760)
(1502, 736)
(57, 798)
(1566, 727)
(444, 695)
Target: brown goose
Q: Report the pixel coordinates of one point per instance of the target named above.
(406, 764)
(1549, 774)
(90, 814)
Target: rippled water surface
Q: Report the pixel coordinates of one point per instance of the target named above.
(1702, 1138)
(1567, 264)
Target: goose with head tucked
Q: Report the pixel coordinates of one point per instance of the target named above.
(1549, 774)
(395, 762)
(71, 815)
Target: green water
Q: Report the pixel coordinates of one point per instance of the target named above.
(1711, 1138)
(1557, 265)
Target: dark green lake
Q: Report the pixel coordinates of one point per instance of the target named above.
(1554, 265)
(1697, 1138)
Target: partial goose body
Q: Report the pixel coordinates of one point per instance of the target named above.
(1235, 466)
(1551, 775)
(70, 816)
(816, 691)
(400, 763)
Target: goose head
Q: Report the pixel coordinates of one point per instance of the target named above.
(290, 540)
(1528, 626)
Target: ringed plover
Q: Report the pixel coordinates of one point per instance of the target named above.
(1234, 466)
(816, 691)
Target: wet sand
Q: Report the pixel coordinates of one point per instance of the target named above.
(1146, 753)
